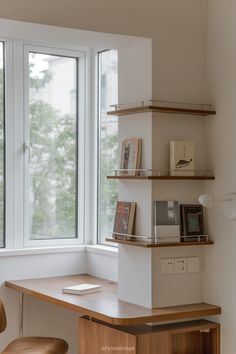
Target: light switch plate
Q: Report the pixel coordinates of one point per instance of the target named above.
(180, 265)
(193, 265)
(167, 266)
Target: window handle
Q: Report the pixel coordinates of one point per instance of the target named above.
(28, 149)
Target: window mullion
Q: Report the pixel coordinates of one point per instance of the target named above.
(9, 145)
(18, 138)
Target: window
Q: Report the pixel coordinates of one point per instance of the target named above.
(2, 148)
(50, 151)
(52, 133)
(107, 141)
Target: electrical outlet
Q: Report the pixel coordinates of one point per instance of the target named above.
(193, 265)
(180, 265)
(167, 266)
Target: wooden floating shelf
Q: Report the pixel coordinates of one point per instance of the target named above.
(159, 109)
(161, 244)
(193, 178)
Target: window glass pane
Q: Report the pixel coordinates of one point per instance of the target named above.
(53, 139)
(2, 147)
(108, 142)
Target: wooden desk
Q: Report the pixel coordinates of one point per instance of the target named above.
(105, 305)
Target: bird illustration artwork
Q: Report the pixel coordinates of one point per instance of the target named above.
(183, 163)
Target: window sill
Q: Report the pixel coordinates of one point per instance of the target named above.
(41, 250)
(103, 250)
(95, 249)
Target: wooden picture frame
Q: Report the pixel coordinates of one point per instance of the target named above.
(192, 221)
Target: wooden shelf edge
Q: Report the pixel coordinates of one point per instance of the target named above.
(159, 109)
(161, 244)
(188, 311)
(173, 313)
(190, 178)
(174, 328)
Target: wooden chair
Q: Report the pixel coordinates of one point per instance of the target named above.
(31, 345)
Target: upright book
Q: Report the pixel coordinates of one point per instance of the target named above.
(182, 158)
(131, 156)
(124, 219)
(167, 220)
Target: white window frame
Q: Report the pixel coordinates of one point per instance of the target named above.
(98, 157)
(81, 141)
(9, 142)
(16, 123)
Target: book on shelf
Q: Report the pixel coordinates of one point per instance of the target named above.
(192, 222)
(131, 152)
(182, 158)
(124, 219)
(167, 220)
(81, 289)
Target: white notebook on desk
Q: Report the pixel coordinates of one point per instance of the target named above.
(82, 289)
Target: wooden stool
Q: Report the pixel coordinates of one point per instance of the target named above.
(32, 345)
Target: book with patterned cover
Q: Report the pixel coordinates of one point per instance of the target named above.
(131, 155)
(182, 158)
(124, 219)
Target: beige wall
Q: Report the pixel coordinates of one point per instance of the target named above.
(178, 30)
(220, 284)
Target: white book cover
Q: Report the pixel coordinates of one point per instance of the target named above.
(81, 289)
(167, 233)
(182, 158)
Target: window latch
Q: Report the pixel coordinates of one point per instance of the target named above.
(28, 149)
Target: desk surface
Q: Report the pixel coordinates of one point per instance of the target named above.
(105, 305)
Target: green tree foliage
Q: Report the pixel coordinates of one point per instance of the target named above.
(53, 184)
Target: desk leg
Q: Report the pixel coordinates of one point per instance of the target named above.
(21, 317)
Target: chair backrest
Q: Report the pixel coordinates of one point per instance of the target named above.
(3, 319)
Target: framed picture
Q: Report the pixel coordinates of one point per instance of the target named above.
(192, 221)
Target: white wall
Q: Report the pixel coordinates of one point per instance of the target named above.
(177, 29)
(102, 262)
(220, 285)
(135, 85)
